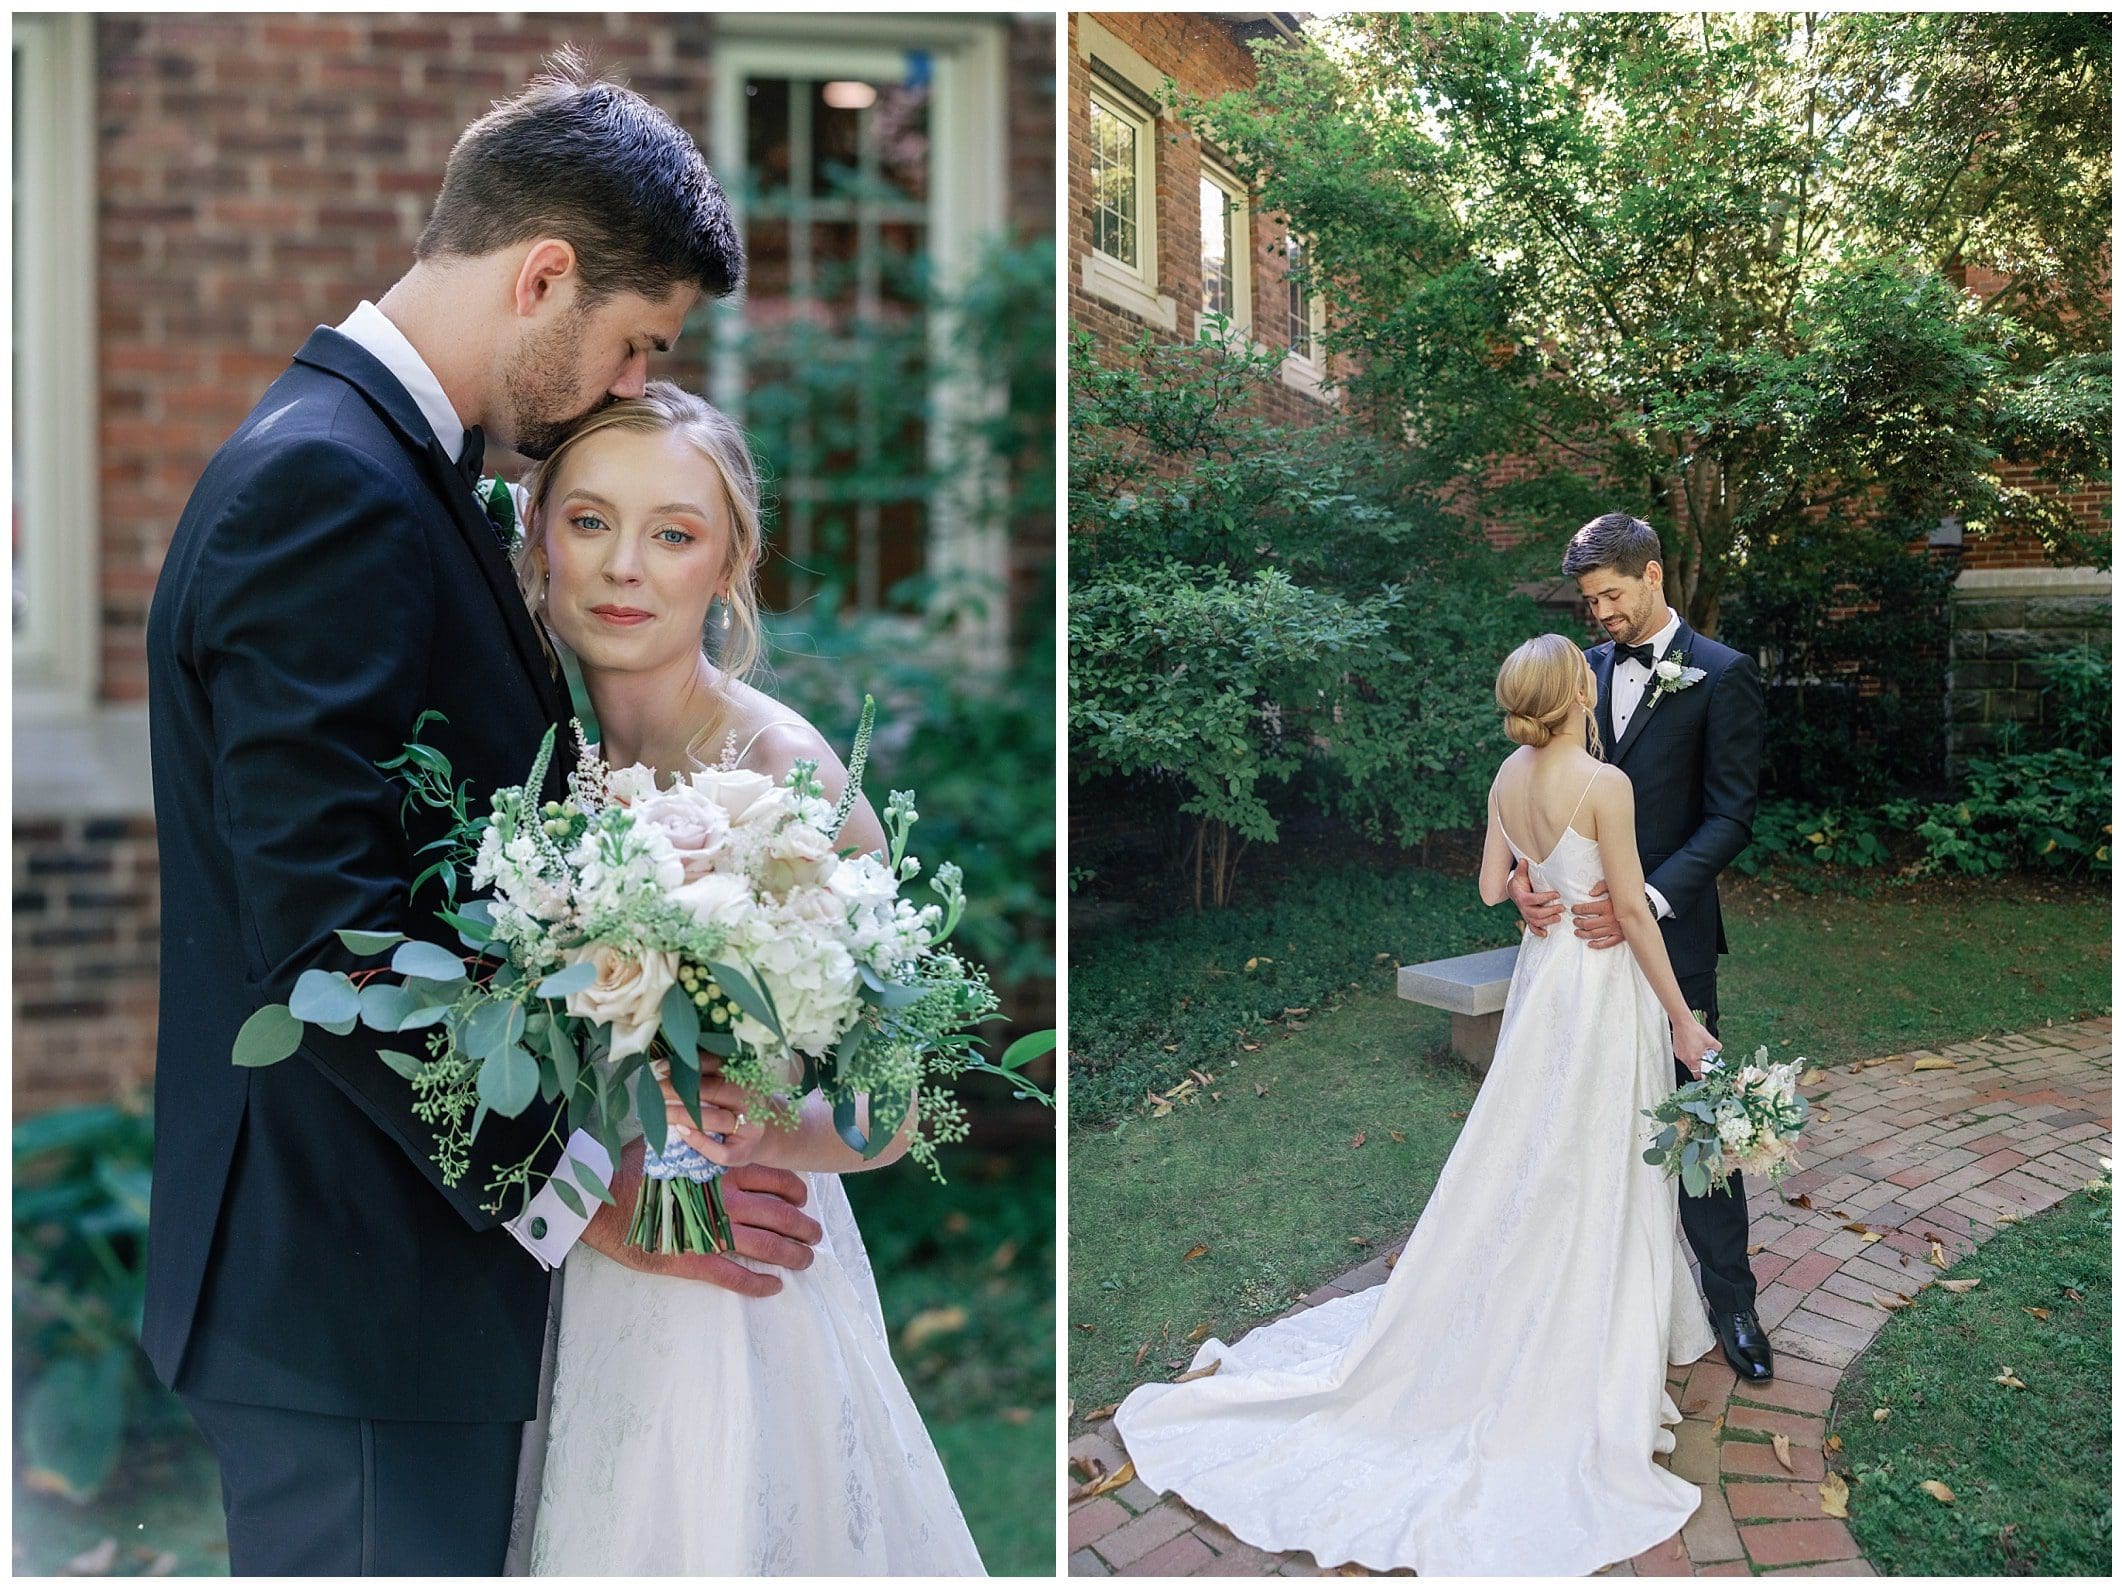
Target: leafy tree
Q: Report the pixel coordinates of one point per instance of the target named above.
(1708, 264)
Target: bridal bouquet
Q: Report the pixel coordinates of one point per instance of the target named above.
(1747, 1119)
(632, 931)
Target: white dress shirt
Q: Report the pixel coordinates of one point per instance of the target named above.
(1626, 693)
(547, 1227)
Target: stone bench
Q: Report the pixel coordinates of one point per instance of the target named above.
(1472, 988)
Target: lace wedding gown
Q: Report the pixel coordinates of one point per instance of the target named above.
(1494, 1407)
(692, 1430)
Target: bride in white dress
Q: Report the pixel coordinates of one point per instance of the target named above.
(1495, 1406)
(691, 1428)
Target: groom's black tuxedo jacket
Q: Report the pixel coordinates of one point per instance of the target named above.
(331, 578)
(1692, 756)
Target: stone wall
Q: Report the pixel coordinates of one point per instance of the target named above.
(2003, 622)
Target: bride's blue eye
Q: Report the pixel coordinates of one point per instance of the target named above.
(683, 538)
(587, 521)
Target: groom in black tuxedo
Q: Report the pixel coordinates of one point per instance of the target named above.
(1693, 754)
(360, 1343)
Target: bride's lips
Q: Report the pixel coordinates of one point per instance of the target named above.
(624, 617)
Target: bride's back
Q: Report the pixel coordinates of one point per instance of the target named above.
(1541, 794)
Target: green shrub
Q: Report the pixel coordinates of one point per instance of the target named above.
(1147, 1004)
(80, 1232)
(2076, 700)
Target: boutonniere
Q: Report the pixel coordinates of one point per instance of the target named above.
(500, 505)
(1671, 674)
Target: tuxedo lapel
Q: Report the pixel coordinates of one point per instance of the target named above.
(340, 355)
(1604, 697)
(1650, 704)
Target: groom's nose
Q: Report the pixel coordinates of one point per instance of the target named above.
(633, 377)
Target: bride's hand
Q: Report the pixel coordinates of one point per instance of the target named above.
(725, 1109)
(1692, 1042)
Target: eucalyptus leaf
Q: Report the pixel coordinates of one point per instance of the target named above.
(746, 995)
(415, 958)
(268, 1037)
(567, 1195)
(322, 997)
(681, 1024)
(491, 1027)
(844, 1122)
(649, 1108)
(587, 1179)
(369, 943)
(569, 979)
(385, 1006)
(405, 1064)
(508, 1080)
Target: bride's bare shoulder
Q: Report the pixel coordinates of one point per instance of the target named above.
(770, 736)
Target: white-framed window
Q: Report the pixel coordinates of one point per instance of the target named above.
(1226, 248)
(863, 161)
(1304, 320)
(1122, 265)
(55, 531)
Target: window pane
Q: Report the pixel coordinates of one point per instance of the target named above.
(1113, 180)
(1295, 291)
(1216, 249)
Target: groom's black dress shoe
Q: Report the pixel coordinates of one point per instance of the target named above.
(1746, 1343)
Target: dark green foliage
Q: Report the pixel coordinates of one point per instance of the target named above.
(80, 1244)
(1852, 630)
(2076, 701)
(1147, 1003)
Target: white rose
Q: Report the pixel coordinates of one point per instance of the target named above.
(629, 786)
(797, 857)
(733, 788)
(715, 899)
(1667, 669)
(628, 994)
(696, 824)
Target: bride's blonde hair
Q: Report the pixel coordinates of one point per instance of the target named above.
(1539, 684)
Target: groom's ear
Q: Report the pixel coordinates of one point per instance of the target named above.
(1654, 574)
(546, 265)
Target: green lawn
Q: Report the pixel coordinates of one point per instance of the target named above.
(2029, 1468)
(983, 1243)
(1271, 1185)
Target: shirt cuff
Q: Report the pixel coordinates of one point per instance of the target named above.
(1661, 910)
(547, 1228)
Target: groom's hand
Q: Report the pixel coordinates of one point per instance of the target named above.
(1595, 919)
(766, 1219)
(1539, 909)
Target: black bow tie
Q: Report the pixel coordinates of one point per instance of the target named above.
(1644, 653)
(472, 455)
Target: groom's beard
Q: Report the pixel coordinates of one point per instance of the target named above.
(543, 382)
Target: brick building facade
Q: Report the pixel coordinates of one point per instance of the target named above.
(239, 179)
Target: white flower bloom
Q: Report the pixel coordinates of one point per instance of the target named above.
(1667, 669)
(716, 899)
(695, 824)
(1734, 1132)
(628, 994)
(732, 788)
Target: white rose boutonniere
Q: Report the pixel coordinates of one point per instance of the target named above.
(1673, 673)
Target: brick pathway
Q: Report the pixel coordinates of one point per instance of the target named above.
(1917, 1156)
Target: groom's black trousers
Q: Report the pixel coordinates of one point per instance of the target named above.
(1716, 1223)
(306, 1493)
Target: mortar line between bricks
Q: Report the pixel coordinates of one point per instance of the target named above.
(1794, 1536)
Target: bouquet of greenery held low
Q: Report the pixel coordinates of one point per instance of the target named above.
(637, 935)
(1748, 1119)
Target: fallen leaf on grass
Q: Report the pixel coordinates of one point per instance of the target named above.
(932, 1322)
(1938, 1491)
(1112, 1481)
(1203, 1372)
(2012, 1217)
(1101, 1414)
(1142, 1352)
(1260, 1091)
(1833, 1443)
(2038, 1314)
(2007, 1377)
(1199, 1333)
(1358, 1140)
(1932, 1064)
(1781, 1447)
(1959, 1286)
(1880, 1415)
(1193, 1253)
(2072, 1295)
(1201, 1080)
(1250, 1048)
(1936, 1257)
(1456, 1114)
(1087, 1328)
(1835, 1493)
(1883, 1300)
(1359, 1241)
(1397, 1136)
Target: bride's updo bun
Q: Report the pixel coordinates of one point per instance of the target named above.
(1539, 686)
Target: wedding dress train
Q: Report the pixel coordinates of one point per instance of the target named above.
(692, 1430)
(1495, 1406)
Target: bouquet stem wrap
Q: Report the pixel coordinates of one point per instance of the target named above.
(679, 1208)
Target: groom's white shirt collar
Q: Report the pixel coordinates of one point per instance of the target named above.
(372, 329)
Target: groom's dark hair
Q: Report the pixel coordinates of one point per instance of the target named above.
(1614, 540)
(577, 157)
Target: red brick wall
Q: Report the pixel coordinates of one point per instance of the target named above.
(1204, 57)
(257, 176)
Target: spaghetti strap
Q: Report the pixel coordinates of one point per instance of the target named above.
(1573, 817)
(780, 722)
